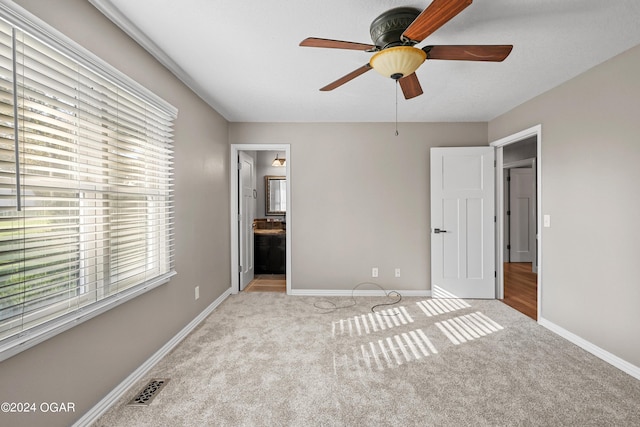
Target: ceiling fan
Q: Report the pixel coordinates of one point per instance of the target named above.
(394, 34)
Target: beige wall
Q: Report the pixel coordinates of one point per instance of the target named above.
(85, 363)
(590, 176)
(360, 198)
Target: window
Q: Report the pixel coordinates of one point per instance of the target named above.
(86, 211)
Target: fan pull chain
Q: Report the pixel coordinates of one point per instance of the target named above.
(397, 108)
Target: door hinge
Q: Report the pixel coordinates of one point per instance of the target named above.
(239, 217)
(495, 218)
(495, 274)
(508, 179)
(508, 212)
(509, 247)
(239, 165)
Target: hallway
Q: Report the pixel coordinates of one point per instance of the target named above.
(521, 288)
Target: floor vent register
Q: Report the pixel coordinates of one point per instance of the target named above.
(148, 393)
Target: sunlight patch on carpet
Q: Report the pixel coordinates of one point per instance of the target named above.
(386, 353)
(435, 307)
(468, 327)
(372, 322)
(403, 346)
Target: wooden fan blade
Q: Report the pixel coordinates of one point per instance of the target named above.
(342, 80)
(494, 53)
(410, 86)
(438, 13)
(335, 44)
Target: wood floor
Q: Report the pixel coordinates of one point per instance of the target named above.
(521, 288)
(267, 283)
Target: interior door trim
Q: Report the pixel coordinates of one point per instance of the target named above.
(499, 145)
(233, 180)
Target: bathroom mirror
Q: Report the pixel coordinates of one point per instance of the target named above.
(275, 194)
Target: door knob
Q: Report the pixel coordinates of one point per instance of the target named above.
(438, 231)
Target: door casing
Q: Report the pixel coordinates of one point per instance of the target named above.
(234, 195)
(499, 145)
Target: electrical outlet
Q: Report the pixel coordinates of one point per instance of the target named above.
(397, 272)
(374, 272)
(197, 292)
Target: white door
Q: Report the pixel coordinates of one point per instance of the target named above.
(522, 220)
(246, 213)
(462, 222)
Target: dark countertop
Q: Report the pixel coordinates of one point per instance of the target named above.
(269, 232)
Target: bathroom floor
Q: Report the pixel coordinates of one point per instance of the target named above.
(268, 283)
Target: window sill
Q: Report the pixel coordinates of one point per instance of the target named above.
(16, 344)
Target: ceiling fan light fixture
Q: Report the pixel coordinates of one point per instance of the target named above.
(397, 62)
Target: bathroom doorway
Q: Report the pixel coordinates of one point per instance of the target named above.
(261, 218)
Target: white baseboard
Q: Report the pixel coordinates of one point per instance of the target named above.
(101, 407)
(612, 359)
(356, 293)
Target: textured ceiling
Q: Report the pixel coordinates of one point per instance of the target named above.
(243, 57)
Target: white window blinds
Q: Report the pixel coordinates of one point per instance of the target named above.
(86, 211)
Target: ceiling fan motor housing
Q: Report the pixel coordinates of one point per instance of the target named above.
(387, 28)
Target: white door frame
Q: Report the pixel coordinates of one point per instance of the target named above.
(233, 171)
(499, 145)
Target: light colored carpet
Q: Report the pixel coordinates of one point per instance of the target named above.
(266, 359)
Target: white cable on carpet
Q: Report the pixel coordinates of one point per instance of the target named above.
(332, 307)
